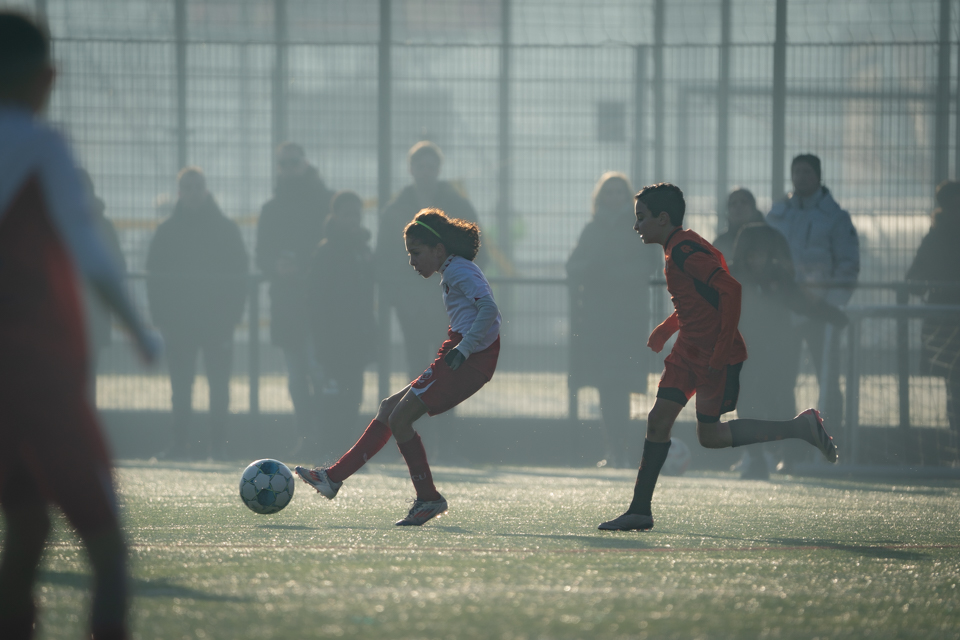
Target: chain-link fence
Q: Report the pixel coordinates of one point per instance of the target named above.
(531, 101)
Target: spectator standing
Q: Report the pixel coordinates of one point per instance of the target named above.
(197, 267)
(422, 318)
(759, 258)
(344, 327)
(289, 229)
(938, 260)
(826, 257)
(610, 298)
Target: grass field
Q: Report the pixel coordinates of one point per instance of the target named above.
(519, 556)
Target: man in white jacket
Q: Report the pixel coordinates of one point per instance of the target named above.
(826, 256)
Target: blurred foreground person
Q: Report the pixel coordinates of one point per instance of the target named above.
(420, 314)
(610, 299)
(759, 258)
(288, 231)
(47, 239)
(197, 269)
(826, 257)
(344, 327)
(705, 360)
(938, 260)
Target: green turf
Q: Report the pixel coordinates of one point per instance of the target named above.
(519, 556)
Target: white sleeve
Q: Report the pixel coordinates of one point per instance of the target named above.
(487, 312)
(68, 204)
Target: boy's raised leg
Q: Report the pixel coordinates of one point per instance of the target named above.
(807, 426)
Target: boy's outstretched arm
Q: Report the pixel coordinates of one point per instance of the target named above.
(729, 307)
(664, 330)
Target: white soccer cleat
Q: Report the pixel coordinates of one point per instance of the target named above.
(318, 479)
(820, 438)
(422, 511)
(628, 522)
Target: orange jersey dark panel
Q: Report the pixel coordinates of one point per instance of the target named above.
(706, 299)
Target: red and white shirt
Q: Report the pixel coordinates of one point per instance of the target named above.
(46, 235)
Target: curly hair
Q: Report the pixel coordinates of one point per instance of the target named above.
(664, 196)
(432, 227)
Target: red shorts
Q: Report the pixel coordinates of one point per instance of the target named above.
(441, 388)
(717, 391)
(53, 451)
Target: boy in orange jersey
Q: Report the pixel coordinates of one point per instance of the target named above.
(51, 441)
(706, 358)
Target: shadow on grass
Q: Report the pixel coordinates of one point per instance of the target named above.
(159, 588)
(599, 540)
(881, 549)
(930, 487)
(292, 527)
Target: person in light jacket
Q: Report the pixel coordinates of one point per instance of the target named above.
(826, 257)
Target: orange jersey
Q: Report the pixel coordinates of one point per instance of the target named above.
(706, 299)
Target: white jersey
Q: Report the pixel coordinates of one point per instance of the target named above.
(32, 149)
(463, 284)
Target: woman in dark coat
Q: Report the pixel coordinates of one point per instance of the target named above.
(938, 260)
(608, 273)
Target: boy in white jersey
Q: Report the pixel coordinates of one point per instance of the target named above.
(47, 239)
(465, 362)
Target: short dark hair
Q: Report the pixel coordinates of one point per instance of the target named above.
(809, 159)
(24, 50)
(432, 227)
(664, 196)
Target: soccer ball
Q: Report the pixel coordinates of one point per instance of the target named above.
(266, 486)
(678, 458)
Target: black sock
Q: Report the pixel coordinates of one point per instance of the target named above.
(654, 455)
(746, 431)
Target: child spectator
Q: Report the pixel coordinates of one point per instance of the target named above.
(344, 328)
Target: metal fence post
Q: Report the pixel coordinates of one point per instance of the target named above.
(504, 214)
(279, 101)
(903, 360)
(180, 22)
(941, 129)
(384, 185)
(853, 389)
(723, 115)
(253, 338)
(778, 145)
(639, 94)
(659, 22)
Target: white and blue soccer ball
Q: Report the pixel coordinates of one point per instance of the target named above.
(266, 486)
(678, 458)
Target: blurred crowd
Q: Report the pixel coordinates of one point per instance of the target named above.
(798, 265)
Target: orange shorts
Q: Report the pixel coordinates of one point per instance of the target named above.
(441, 388)
(717, 391)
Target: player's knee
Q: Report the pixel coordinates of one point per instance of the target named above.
(709, 436)
(658, 428)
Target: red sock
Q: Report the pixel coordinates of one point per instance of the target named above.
(376, 435)
(413, 452)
